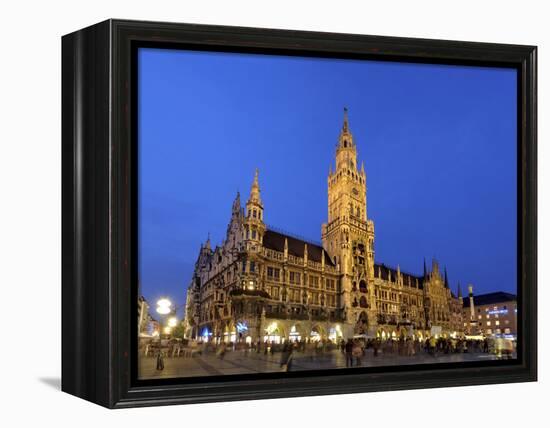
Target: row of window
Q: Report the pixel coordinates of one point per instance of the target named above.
(488, 316)
(297, 296)
(255, 213)
(498, 331)
(296, 278)
(296, 311)
(503, 309)
(349, 172)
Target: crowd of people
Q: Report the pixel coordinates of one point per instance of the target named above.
(354, 350)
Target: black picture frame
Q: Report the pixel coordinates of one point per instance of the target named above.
(99, 300)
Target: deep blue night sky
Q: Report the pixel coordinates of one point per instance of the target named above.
(438, 142)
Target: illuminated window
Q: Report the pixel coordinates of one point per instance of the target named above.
(489, 331)
(506, 331)
(497, 322)
(488, 323)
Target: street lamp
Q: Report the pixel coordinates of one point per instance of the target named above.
(164, 306)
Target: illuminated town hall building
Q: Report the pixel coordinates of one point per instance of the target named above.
(261, 284)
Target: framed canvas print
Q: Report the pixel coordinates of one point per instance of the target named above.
(253, 213)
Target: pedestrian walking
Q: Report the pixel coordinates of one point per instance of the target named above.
(221, 351)
(349, 353)
(286, 357)
(357, 353)
(160, 361)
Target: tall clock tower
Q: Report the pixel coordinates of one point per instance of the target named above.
(348, 236)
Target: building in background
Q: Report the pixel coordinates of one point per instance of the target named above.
(147, 325)
(143, 316)
(491, 315)
(262, 284)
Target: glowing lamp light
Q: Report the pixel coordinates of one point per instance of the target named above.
(271, 327)
(241, 327)
(167, 330)
(164, 306)
(172, 322)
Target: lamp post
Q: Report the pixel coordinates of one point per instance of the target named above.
(164, 307)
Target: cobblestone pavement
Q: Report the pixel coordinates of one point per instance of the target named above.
(239, 362)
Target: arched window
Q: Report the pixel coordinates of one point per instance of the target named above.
(363, 302)
(363, 286)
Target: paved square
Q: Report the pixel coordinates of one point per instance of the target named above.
(241, 362)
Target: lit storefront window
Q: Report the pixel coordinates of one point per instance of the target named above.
(294, 335)
(335, 333)
(272, 333)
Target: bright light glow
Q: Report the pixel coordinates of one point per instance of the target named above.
(163, 310)
(271, 327)
(167, 330)
(241, 327)
(172, 322)
(164, 302)
(163, 306)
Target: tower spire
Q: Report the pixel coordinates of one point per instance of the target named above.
(255, 189)
(254, 226)
(237, 203)
(346, 139)
(425, 270)
(345, 127)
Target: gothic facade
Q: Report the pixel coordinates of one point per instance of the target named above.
(262, 284)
